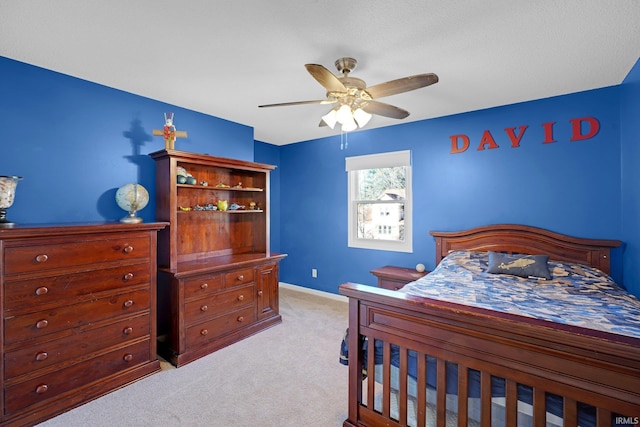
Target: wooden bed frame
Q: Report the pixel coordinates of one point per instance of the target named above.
(579, 364)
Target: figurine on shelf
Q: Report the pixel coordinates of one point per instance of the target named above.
(252, 206)
(222, 205)
(207, 207)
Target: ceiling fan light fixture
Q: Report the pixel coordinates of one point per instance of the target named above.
(361, 117)
(330, 118)
(349, 126)
(344, 114)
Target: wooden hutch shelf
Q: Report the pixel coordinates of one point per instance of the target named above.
(217, 278)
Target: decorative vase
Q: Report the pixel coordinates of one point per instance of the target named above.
(7, 193)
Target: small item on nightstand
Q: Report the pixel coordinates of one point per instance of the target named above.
(420, 268)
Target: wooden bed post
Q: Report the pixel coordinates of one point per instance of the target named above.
(355, 363)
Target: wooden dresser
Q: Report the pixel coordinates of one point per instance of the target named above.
(217, 278)
(78, 309)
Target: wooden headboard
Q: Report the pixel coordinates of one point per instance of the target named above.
(514, 238)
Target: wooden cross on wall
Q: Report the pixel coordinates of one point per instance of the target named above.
(169, 132)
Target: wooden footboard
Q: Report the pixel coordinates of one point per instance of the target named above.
(595, 376)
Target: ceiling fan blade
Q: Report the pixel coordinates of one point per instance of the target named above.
(402, 85)
(382, 109)
(282, 104)
(326, 78)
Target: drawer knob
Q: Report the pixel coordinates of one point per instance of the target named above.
(204, 308)
(42, 323)
(260, 292)
(128, 249)
(42, 355)
(42, 258)
(42, 388)
(127, 357)
(204, 332)
(128, 330)
(240, 297)
(128, 276)
(241, 277)
(204, 286)
(128, 303)
(240, 318)
(42, 290)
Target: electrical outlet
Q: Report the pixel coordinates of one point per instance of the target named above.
(314, 273)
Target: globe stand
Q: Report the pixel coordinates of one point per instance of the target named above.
(131, 218)
(132, 198)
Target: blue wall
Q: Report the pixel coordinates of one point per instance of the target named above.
(630, 173)
(572, 187)
(270, 154)
(75, 142)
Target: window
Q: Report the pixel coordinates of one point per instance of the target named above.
(380, 201)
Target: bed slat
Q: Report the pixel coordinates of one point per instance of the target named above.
(463, 395)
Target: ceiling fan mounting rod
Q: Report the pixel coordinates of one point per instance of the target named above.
(346, 65)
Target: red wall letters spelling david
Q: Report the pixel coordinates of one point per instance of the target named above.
(581, 128)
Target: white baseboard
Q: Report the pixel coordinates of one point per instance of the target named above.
(316, 292)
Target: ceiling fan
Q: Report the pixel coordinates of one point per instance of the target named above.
(355, 102)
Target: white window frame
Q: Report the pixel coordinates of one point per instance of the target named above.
(378, 161)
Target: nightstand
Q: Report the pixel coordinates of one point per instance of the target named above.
(391, 277)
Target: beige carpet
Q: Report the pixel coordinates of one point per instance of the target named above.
(288, 375)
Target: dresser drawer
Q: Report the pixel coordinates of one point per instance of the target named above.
(238, 277)
(207, 331)
(32, 325)
(21, 395)
(73, 253)
(41, 354)
(202, 285)
(213, 305)
(25, 293)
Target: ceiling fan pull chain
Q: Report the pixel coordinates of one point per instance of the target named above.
(344, 140)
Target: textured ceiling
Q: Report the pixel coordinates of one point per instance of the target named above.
(224, 58)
